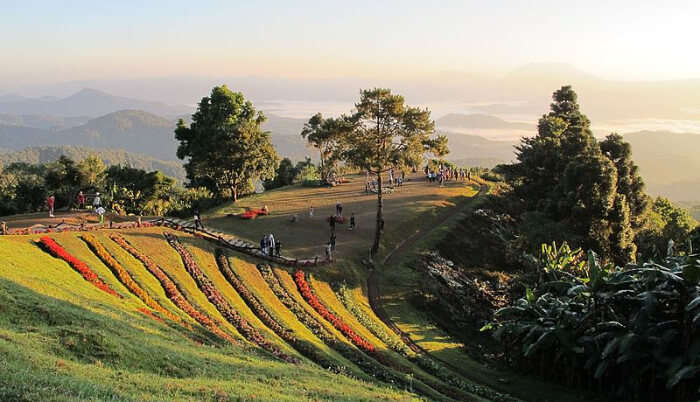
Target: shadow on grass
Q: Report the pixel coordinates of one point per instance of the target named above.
(75, 333)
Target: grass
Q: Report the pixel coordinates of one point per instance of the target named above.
(63, 339)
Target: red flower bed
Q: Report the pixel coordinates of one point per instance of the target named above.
(216, 298)
(57, 251)
(148, 313)
(252, 301)
(252, 213)
(172, 291)
(337, 322)
(125, 278)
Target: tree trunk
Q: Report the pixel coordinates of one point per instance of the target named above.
(234, 192)
(378, 229)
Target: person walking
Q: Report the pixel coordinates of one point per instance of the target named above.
(81, 200)
(197, 220)
(101, 213)
(271, 244)
(311, 211)
(50, 202)
(329, 252)
(352, 222)
(331, 222)
(263, 244)
(97, 201)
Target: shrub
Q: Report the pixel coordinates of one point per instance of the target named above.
(634, 331)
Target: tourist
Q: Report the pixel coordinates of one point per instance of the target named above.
(265, 210)
(101, 213)
(294, 218)
(270, 244)
(311, 211)
(338, 209)
(352, 221)
(197, 221)
(96, 202)
(81, 200)
(329, 252)
(331, 223)
(50, 202)
(278, 247)
(469, 175)
(263, 245)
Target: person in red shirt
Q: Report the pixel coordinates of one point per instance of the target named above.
(81, 200)
(50, 203)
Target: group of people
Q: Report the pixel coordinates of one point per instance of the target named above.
(270, 246)
(80, 201)
(395, 180)
(447, 173)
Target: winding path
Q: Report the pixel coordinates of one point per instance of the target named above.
(374, 294)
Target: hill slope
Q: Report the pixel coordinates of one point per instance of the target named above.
(86, 102)
(47, 154)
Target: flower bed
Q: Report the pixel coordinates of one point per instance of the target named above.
(217, 299)
(256, 306)
(252, 213)
(125, 278)
(149, 314)
(56, 250)
(424, 361)
(172, 291)
(337, 322)
(366, 364)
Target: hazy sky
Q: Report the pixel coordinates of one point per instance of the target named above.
(50, 41)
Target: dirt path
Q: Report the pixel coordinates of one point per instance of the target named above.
(374, 294)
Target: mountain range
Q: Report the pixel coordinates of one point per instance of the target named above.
(86, 102)
(46, 154)
(668, 161)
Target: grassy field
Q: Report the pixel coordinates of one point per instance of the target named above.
(61, 338)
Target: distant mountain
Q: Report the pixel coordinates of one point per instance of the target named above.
(144, 133)
(47, 154)
(669, 163)
(132, 130)
(46, 122)
(473, 150)
(87, 102)
(479, 121)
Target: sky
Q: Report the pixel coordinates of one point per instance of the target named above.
(46, 42)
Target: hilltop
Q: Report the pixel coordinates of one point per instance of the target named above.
(266, 336)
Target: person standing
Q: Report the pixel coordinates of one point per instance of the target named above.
(329, 252)
(197, 220)
(311, 211)
(331, 222)
(50, 202)
(81, 200)
(278, 247)
(101, 213)
(97, 202)
(352, 221)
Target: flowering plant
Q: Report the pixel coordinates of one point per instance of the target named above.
(57, 251)
(171, 289)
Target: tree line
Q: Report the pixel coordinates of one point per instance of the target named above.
(25, 187)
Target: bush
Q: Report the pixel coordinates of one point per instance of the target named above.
(632, 331)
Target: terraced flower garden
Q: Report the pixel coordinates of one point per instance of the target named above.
(156, 313)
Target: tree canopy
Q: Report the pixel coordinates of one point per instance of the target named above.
(224, 147)
(385, 132)
(592, 190)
